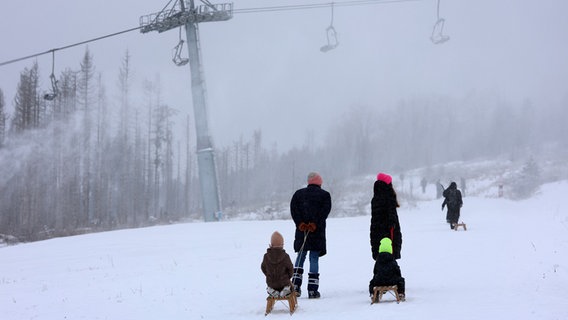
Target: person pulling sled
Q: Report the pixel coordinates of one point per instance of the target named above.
(452, 199)
(310, 207)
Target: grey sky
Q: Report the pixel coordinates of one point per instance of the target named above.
(265, 70)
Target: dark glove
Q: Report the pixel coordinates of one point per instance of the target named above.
(375, 253)
(443, 205)
(312, 227)
(303, 227)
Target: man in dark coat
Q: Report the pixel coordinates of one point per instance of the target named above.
(384, 217)
(453, 199)
(310, 207)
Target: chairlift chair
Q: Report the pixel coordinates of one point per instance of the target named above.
(177, 58)
(438, 36)
(50, 96)
(331, 35)
(332, 41)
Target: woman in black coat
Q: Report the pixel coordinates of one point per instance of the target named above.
(384, 217)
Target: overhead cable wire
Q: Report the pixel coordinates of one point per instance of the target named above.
(319, 5)
(235, 11)
(68, 46)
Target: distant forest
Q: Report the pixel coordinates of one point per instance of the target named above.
(81, 163)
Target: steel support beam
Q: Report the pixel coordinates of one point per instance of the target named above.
(205, 153)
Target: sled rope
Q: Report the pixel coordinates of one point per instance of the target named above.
(301, 248)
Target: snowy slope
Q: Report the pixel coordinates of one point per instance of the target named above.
(512, 263)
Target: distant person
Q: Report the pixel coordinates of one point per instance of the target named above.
(386, 271)
(384, 217)
(277, 267)
(439, 189)
(462, 186)
(310, 207)
(423, 184)
(453, 199)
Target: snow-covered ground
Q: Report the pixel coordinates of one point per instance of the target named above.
(511, 263)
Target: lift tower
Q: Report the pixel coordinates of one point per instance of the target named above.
(186, 13)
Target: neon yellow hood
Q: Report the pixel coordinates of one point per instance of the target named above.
(386, 245)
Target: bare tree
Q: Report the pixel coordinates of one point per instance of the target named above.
(67, 99)
(101, 175)
(3, 118)
(123, 147)
(26, 103)
(85, 93)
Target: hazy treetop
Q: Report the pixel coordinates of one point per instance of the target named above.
(265, 70)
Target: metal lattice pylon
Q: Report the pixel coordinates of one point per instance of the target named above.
(185, 13)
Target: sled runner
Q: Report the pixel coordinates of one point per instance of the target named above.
(291, 298)
(461, 224)
(379, 291)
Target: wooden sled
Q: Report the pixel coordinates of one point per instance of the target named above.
(379, 291)
(291, 298)
(461, 224)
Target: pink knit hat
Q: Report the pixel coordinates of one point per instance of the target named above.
(315, 178)
(384, 178)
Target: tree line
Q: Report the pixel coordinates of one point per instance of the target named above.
(81, 163)
(70, 165)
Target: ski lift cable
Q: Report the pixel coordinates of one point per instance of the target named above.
(320, 5)
(68, 46)
(235, 11)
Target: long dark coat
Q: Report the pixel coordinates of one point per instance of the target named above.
(452, 199)
(311, 204)
(384, 219)
(386, 273)
(278, 268)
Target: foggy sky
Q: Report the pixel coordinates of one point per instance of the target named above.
(265, 71)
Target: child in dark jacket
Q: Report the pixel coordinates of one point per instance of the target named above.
(277, 267)
(386, 271)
